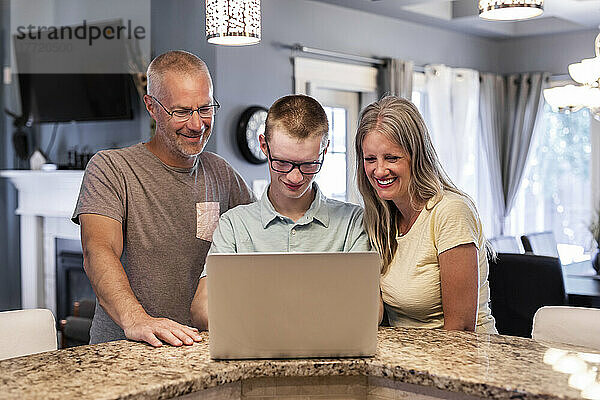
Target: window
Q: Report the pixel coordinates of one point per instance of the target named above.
(556, 188)
(555, 192)
(419, 93)
(332, 179)
(417, 101)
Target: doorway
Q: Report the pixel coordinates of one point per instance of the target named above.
(341, 88)
(337, 178)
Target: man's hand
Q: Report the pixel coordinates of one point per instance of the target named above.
(152, 330)
(102, 242)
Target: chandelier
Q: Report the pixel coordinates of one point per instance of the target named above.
(509, 10)
(587, 94)
(233, 22)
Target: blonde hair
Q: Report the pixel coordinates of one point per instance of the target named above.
(400, 122)
(178, 62)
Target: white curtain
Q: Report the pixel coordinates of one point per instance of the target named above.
(453, 121)
(453, 104)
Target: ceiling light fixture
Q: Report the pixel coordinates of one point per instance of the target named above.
(233, 22)
(575, 97)
(510, 10)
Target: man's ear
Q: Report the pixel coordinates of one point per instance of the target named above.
(263, 144)
(150, 106)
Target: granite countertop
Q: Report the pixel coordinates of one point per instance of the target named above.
(493, 366)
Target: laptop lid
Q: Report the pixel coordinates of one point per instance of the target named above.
(288, 305)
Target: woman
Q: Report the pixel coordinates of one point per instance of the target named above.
(426, 230)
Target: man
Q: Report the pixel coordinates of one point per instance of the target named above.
(292, 215)
(147, 212)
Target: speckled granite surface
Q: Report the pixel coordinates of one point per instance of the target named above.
(493, 366)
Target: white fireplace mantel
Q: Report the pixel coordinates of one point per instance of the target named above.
(46, 202)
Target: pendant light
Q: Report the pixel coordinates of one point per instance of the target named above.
(510, 10)
(587, 94)
(233, 22)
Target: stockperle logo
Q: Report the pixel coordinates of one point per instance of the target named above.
(90, 33)
(80, 36)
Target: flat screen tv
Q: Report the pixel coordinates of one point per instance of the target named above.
(76, 97)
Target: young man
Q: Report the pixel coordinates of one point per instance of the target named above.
(147, 212)
(292, 215)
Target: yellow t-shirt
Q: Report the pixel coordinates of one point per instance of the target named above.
(411, 288)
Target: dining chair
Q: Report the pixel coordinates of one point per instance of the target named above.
(24, 332)
(519, 285)
(571, 325)
(75, 328)
(540, 243)
(505, 244)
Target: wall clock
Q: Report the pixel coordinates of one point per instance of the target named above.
(250, 126)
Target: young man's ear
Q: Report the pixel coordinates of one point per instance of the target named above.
(263, 144)
(326, 148)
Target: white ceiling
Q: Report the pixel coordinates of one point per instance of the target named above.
(559, 16)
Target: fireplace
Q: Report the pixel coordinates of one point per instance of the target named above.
(46, 201)
(72, 284)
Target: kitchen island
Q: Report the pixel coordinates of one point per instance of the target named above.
(410, 363)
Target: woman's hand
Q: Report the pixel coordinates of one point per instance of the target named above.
(459, 273)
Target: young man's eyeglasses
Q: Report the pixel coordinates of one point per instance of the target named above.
(284, 166)
(184, 114)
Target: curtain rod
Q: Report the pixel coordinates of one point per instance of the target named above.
(344, 56)
(369, 60)
(328, 53)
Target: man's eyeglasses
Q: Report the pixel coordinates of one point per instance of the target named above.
(182, 114)
(306, 168)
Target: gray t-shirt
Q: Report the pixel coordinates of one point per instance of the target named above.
(168, 217)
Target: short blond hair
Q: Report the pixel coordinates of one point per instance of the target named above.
(178, 62)
(300, 116)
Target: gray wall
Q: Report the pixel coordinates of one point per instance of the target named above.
(552, 53)
(260, 74)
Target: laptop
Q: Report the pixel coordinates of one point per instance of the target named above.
(292, 305)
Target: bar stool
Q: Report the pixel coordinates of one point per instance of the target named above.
(24, 332)
(572, 325)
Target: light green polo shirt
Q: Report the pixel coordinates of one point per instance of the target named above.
(327, 226)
